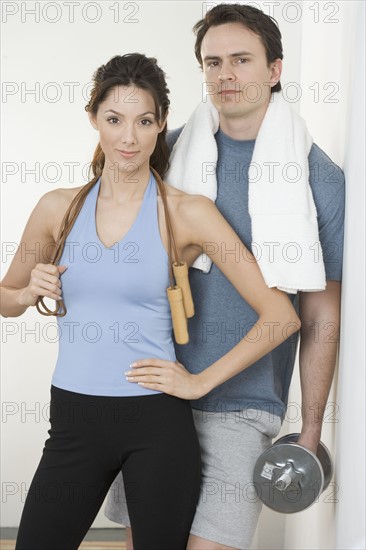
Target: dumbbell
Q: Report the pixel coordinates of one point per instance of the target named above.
(290, 478)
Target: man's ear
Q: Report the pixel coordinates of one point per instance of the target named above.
(92, 120)
(276, 69)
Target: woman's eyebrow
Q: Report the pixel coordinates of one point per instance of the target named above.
(120, 114)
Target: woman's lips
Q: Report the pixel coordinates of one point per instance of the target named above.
(127, 154)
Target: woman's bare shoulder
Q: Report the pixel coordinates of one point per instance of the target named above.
(60, 197)
(186, 201)
(52, 206)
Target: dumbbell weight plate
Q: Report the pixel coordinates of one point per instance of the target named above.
(300, 494)
(322, 454)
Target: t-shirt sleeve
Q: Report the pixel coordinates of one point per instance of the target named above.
(328, 188)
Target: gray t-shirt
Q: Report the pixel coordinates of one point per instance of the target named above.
(222, 318)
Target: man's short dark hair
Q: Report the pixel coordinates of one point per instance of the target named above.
(264, 26)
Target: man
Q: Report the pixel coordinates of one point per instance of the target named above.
(239, 49)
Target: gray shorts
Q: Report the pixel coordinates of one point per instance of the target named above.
(228, 507)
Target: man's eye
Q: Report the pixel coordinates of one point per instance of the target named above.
(213, 64)
(242, 60)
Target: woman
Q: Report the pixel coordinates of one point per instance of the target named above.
(109, 275)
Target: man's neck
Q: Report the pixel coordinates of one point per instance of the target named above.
(243, 127)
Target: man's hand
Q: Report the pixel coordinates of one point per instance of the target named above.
(309, 442)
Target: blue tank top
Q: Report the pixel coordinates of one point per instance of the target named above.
(117, 307)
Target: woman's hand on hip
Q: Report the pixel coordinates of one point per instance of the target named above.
(167, 376)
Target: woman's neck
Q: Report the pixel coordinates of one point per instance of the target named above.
(120, 186)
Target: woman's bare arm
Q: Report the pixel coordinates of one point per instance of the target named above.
(206, 230)
(30, 273)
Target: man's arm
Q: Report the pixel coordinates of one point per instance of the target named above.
(320, 311)
(320, 321)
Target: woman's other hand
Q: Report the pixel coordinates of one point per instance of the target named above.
(44, 281)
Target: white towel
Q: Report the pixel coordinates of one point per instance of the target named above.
(285, 236)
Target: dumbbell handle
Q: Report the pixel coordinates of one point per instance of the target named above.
(287, 477)
(283, 482)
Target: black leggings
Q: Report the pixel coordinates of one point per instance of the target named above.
(151, 438)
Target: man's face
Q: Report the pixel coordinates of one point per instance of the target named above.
(238, 78)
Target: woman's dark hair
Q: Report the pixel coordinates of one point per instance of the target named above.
(253, 19)
(139, 71)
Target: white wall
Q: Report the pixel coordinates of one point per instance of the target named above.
(39, 130)
(350, 512)
(332, 55)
